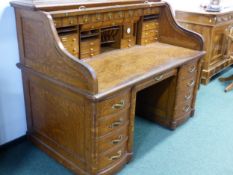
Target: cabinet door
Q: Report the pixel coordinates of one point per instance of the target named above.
(217, 44)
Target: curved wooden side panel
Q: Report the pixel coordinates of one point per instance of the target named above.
(41, 51)
(173, 33)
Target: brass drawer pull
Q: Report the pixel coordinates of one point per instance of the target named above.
(159, 78)
(117, 123)
(191, 83)
(116, 157)
(117, 141)
(188, 97)
(186, 108)
(119, 105)
(192, 69)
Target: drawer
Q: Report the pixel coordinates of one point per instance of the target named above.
(149, 40)
(113, 140)
(188, 70)
(57, 22)
(69, 21)
(149, 25)
(149, 11)
(111, 123)
(129, 14)
(186, 84)
(97, 18)
(150, 34)
(72, 50)
(113, 156)
(91, 26)
(90, 49)
(183, 111)
(127, 43)
(138, 12)
(115, 22)
(89, 55)
(185, 96)
(119, 15)
(108, 16)
(84, 44)
(84, 19)
(113, 105)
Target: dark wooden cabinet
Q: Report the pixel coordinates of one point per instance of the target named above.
(88, 66)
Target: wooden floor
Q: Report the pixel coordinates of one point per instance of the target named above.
(119, 66)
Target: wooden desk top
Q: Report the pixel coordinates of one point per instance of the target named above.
(121, 66)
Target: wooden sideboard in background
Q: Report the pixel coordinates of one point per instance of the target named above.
(211, 25)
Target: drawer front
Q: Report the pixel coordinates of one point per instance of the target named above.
(188, 70)
(149, 40)
(96, 18)
(111, 123)
(185, 96)
(84, 19)
(187, 84)
(90, 49)
(85, 44)
(113, 105)
(57, 22)
(113, 140)
(69, 21)
(150, 34)
(91, 26)
(150, 25)
(112, 157)
(127, 43)
(70, 42)
(183, 111)
(89, 55)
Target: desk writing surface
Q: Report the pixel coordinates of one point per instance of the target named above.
(119, 66)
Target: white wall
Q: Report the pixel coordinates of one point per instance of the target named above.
(12, 111)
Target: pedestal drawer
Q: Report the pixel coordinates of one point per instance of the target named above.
(113, 140)
(189, 70)
(113, 104)
(112, 156)
(111, 123)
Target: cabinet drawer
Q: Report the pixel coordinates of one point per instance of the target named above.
(69, 21)
(149, 40)
(88, 55)
(188, 70)
(185, 96)
(90, 49)
(149, 25)
(89, 43)
(114, 156)
(183, 110)
(113, 105)
(127, 43)
(113, 140)
(112, 123)
(150, 34)
(187, 84)
(91, 26)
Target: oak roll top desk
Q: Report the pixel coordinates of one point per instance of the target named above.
(88, 67)
(211, 25)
